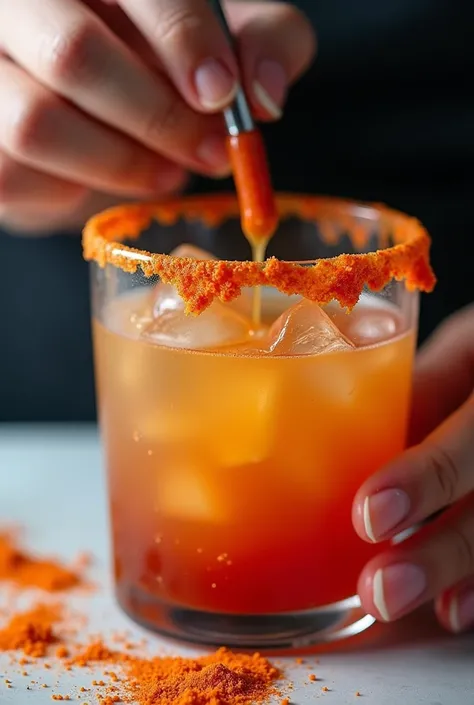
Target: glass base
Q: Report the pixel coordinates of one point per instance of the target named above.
(286, 630)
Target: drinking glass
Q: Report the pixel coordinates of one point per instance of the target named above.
(232, 470)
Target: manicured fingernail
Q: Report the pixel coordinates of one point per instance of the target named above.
(270, 87)
(396, 587)
(212, 152)
(384, 511)
(461, 611)
(215, 85)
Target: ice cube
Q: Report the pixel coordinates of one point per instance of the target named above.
(371, 321)
(187, 250)
(165, 297)
(217, 327)
(372, 326)
(239, 427)
(164, 427)
(129, 313)
(183, 493)
(304, 329)
(220, 325)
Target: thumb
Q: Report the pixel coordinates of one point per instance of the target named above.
(276, 45)
(444, 375)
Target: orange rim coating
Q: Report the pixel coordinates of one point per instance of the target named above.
(200, 282)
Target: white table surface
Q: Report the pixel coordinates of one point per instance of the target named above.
(51, 482)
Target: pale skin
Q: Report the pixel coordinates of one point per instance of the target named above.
(436, 473)
(101, 102)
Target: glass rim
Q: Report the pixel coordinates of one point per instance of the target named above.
(342, 277)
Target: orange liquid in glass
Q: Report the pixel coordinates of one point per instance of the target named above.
(232, 476)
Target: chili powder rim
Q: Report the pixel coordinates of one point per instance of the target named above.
(199, 282)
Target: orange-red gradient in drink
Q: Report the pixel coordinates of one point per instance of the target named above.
(232, 473)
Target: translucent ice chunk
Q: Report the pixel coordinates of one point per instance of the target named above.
(373, 320)
(185, 494)
(187, 250)
(304, 329)
(218, 326)
(165, 297)
(372, 326)
(240, 427)
(221, 325)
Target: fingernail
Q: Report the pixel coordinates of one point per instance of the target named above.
(213, 153)
(215, 85)
(384, 511)
(461, 611)
(396, 587)
(270, 87)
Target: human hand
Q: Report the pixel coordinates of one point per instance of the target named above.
(103, 101)
(437, 472)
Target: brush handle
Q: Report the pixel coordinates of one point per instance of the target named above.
(238, 117)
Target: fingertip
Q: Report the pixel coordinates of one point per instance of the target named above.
(370, 591)
(213, 154)
(270, 88)
(276, 45)
(215, 85)
(389, 590)
(360, 519)
(455, 609)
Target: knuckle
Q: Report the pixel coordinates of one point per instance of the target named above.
(463, 550)
(32, 127)
(445, 472)
(72, 56)
(178, 28)
(164, 121)
(127, 166)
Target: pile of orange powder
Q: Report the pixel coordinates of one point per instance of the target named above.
(41, 632)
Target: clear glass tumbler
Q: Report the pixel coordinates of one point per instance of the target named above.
(232, 466)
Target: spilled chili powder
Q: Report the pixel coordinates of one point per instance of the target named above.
(31, 632)
(221, 678)
(28, 571)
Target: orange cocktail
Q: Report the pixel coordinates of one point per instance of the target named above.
(234, 448)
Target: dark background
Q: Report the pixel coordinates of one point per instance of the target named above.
(386, 114)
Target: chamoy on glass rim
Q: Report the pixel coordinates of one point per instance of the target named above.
(242, 403)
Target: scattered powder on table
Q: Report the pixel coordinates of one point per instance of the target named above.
(221, 678)
(95, 652)
(31, 632)
(28, 571)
